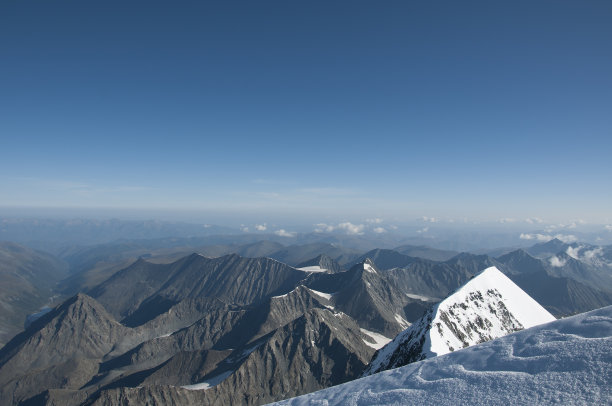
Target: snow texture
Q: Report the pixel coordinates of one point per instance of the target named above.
(421, 297)
(379, 339)
(566, 362)
(312, 269)
(368, 268)
(323, 295)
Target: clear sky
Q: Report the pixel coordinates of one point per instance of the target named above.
(401, 109)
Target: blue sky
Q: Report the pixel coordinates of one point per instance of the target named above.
(322, 109)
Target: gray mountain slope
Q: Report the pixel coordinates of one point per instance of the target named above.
(146, 287)
(296, 254)
(559, 294)
(422, 251)
(60, 349)
(386, 259)
(594, 274)
(248, 332)
(371, 300)
(27, 279)
(288, 363)
(429, 280)
(547, 249)
(222, 329)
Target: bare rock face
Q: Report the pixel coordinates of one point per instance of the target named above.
(319, 349)
(149, 289)
(59, 350)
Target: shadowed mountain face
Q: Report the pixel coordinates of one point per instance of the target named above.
(146, 288)
(547, 249)
(59, 350)
(558, 289)
(387, 259)
(316, 350)
(27, 279)
(424, 252)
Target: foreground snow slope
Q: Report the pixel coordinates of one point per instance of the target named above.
(488, 306)
(567, 362)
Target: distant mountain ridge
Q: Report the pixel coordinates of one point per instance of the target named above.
(27, 280)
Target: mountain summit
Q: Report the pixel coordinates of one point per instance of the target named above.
(488, 306)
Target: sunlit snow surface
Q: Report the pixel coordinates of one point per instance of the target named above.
(312, 269)
(214, 381)
(368, 268)
(379, 339)
(323, 295)
(567, 362)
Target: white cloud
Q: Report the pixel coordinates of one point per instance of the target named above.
(533, 220)
(324, 228)
(261, 227)
(350, 228)
(393, 227)
(566, 238)
(593, 254)
(537, 237)
(573, 252)
(429, 219)
(423, 230)
(374, 221)
(590, 256)
(557, 262)
(507, 220)
(245, 229)
(608, 227)
(283, 233)
(379, 230)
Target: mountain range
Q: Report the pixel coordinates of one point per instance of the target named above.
(233, 329)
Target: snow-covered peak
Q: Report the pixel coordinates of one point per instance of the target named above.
(564, 362)
(488, 306)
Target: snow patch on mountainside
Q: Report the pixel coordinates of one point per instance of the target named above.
(488, 306)
(323, 295)
(422, 298)
(368, 268)
(312, 269)
(379, 339)
(401, 321)
(209, 383)
(563, 362)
